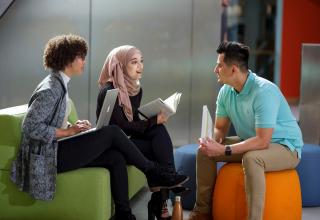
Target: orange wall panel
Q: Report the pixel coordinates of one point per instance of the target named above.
(300, 24)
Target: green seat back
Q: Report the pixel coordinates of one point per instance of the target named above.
(10, 131)
(10, 134)
(73, 117)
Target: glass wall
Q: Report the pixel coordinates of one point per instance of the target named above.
(253, 23)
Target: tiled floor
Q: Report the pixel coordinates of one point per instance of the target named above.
(140, 201)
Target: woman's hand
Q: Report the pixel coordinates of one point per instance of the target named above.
(162, 118)
(84, 123)
(79, 126)
(75, 129)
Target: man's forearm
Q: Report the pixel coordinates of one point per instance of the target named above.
(254, 143)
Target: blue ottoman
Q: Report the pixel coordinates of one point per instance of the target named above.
(308, 170)
(185, 162)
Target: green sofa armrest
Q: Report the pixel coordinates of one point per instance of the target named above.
(7, 154)
(10, 129)
(10, 136)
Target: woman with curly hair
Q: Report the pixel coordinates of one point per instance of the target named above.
(41, 155)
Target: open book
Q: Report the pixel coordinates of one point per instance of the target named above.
(168, 106)
(206, 127)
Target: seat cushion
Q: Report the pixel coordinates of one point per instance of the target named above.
(81, 194)
(136, 180)
(309, 179)
(282, 200)
(185, 163)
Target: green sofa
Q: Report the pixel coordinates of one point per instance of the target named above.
(82, 194)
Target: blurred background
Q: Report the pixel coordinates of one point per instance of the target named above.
(178, 39)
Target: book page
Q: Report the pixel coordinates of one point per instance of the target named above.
(177, 101)
(173, 101)
(206, 127)
(168, 106)
(153, 108)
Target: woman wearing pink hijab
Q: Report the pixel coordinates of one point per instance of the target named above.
(122, 69)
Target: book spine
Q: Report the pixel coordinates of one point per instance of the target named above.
(143, 115)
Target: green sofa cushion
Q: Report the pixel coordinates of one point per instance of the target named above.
(136, 180)
(88, 197)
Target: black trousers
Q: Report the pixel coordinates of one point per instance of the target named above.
(156, 145)
(110, 148)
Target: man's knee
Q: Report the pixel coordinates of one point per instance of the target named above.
(203, 157)
(200, 154)
(252, 159)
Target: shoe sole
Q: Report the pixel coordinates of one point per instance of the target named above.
(182, 192)
(158, 188)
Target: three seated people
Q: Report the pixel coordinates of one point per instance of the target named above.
(268, 136)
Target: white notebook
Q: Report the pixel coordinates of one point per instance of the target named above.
(206, 126)
(168, 106)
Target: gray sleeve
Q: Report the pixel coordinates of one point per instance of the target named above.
(36, 123)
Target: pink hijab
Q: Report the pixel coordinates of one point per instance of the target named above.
(114, 70)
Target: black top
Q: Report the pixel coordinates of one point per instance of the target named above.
(118, 117)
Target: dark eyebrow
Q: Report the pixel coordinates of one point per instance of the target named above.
(135, 59)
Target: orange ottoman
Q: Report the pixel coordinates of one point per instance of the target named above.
(282, 201)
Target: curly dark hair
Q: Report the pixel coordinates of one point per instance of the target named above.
(62, 50)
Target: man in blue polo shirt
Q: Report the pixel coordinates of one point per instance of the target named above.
(268, 136)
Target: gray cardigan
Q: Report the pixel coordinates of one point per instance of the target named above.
(34, 170)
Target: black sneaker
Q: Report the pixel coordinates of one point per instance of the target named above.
(164, 178)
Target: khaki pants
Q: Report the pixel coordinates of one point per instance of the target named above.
(276, 157)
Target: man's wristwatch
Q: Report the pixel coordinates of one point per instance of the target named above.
(228, 150)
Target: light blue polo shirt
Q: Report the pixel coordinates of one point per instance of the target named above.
(260, 104)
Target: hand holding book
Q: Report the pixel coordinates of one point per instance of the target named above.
(162, 118)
